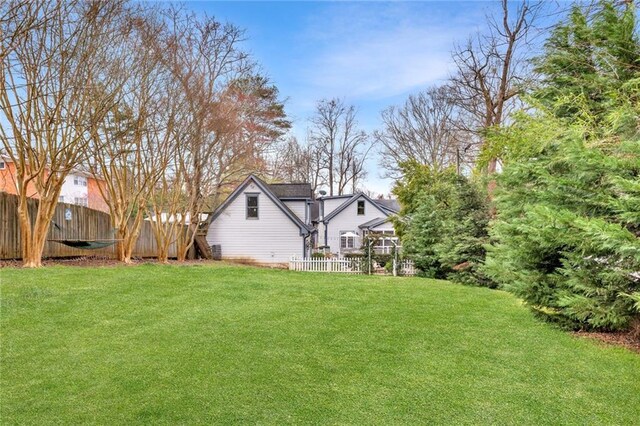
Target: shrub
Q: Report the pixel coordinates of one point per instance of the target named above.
(446, 231)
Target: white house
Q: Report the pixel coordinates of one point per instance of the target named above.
(263, 223)
(344, 221)
(270, 223)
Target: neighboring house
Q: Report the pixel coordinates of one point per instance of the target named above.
(263, 223)
(79, 188)
(343, 222)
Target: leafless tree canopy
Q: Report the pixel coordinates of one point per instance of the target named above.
(492, 68)
(343, 146)
(164, 105)
(49, 96)
(424, 129)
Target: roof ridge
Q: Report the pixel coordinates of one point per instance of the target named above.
(270, 194)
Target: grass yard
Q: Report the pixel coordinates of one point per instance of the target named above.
(229, 344)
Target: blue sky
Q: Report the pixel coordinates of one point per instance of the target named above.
(372, 54)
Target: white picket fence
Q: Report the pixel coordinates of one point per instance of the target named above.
(407, 268)
(342, 265)
(337, 264)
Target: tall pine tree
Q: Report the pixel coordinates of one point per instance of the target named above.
(567, 234)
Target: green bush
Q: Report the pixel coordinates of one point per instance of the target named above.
(566, 234)
(353, 255)
(445, 225)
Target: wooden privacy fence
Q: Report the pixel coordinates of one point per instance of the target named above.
(74, 223)
(343, 265)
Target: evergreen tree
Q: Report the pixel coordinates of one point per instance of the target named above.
(566, 236)
(587, 59)
(445, 218)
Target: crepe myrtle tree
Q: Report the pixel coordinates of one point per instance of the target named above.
(52, 64)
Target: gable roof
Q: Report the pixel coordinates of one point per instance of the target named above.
(374, 222)
(388, 204)
(292, 190)
(347, 203)
(304, 229)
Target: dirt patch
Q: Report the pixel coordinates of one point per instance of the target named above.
(624, 339)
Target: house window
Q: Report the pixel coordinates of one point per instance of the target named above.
(81, 201)
(347, 242)
(360, 207)
(385, 241)
(3, 165)
(61, 199)
(252, 206)
(80, 181)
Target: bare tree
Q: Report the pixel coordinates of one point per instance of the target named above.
(204, 55)
(294, 162)
(492, 69)
(233, 112)
(50, 73)
(253, 124)
(424, 129)
(167, 200)
(121, 151)
(344, 146)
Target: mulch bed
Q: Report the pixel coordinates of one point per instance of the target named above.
(95, 261)
(624, 339)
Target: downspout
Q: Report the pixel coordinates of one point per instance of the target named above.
(325, 233)
(304, 246)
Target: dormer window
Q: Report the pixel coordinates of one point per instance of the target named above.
(360, 207)
(252, 206)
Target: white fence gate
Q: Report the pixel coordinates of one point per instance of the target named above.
(343, 265)
(407, 267)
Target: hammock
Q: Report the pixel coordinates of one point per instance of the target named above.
(86, 244)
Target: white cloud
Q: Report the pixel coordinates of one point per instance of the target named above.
(373, 55)
(376, 51)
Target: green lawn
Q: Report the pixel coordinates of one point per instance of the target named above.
(202, 344)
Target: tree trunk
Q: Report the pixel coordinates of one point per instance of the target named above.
(491, 171)
(121, 245)
(185, 241)
(163, 254)
(28, 258)
(33, 239)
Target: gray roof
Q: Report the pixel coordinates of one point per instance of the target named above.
(374, 222)
(392, 205)
(355, 197)
(291, 190)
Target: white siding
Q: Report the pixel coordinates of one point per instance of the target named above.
(70, 191)
(298, 207)
(332, 204)
(348, 220)
(271, 239)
